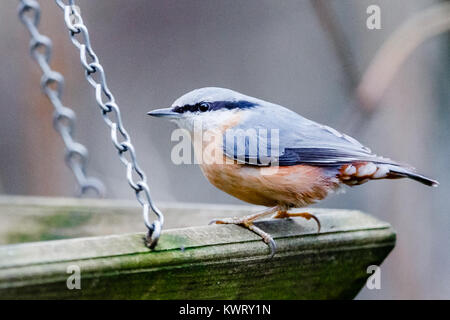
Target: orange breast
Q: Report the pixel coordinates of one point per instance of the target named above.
(293, 186)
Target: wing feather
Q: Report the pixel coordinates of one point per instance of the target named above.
(276, 135)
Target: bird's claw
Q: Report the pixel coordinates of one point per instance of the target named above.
(305, 215)
(213, 221)
(248, 224)
(272, 246)
(318, 222)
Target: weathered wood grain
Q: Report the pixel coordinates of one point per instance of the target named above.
(206, 262)
(25, 219)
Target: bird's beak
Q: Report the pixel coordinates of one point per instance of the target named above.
(164, 113)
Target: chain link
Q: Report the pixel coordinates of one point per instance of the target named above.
(52, 83)
(95, 75)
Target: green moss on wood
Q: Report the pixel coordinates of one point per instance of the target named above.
(209, 262)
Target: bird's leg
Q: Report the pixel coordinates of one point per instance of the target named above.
(247, 222)
(284, 214)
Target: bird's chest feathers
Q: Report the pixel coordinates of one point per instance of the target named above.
(208, 146)
(208, 149)
(290, 186)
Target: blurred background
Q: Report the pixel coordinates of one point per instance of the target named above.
(311, 56)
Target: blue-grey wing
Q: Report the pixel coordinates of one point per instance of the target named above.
(273, 134)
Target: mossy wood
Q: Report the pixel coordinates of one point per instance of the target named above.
(30, 219)
(205, 262)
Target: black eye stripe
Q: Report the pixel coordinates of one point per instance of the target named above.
(213, 106)
(186, 108)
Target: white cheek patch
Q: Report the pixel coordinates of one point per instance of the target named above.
(209, 120)
(366, 170)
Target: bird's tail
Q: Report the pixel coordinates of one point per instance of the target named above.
(401, 172)
(358, 173)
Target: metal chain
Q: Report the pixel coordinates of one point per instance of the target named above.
(112, 117)
(52, 83)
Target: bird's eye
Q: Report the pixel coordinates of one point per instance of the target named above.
(204, 106)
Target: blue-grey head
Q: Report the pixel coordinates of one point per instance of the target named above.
(212, 106)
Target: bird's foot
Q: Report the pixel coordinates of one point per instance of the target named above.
(247, 222)
(306, 215)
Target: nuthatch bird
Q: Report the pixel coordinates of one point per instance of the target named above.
(284, 160)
